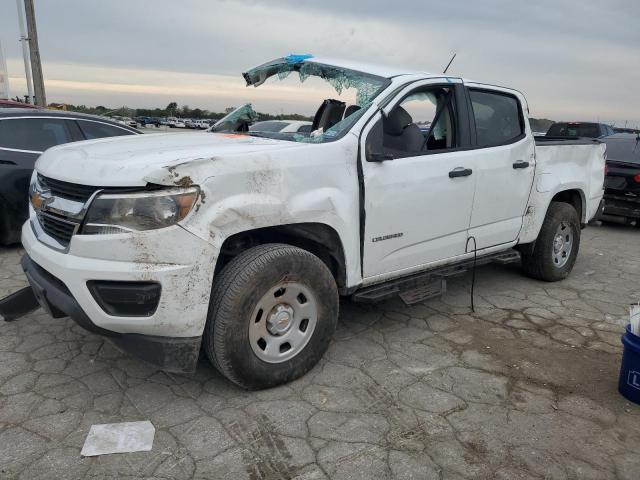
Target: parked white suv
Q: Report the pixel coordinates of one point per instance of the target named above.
(243, 241)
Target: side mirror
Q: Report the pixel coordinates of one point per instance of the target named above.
(374, 147)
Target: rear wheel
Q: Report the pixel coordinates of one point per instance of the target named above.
(557, 245)
(273, 311)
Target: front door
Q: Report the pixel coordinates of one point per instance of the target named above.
(418, 181)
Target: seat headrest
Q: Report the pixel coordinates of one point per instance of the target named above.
(396, 121)
(329, 113)
(351, 109)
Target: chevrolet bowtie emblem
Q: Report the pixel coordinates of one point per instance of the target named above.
(38, 200)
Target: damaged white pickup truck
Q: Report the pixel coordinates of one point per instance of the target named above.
(240, 241)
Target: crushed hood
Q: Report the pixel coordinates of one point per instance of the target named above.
(140, 159)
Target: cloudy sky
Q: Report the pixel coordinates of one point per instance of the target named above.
(574, 59)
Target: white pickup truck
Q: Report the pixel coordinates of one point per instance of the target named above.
(241, 242)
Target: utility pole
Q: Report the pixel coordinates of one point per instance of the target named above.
(4, 77)
(25, 51)
(36, 65)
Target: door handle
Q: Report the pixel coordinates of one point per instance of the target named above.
(521, 164)
(460, 172)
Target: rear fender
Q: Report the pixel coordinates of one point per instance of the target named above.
(537, 210)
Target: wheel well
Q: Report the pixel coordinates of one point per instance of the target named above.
(317, 238)
(573, 198)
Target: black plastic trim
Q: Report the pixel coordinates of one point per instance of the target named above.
(98, 289)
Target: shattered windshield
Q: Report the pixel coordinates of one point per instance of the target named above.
(238, 120)
(325, 100)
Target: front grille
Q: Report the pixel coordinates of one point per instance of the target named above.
(71, 191)
(54, 218)
(57, 227)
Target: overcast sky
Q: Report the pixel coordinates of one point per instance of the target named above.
(574, 59)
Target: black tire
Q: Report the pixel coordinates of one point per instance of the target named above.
(540, 264)
(236, 291)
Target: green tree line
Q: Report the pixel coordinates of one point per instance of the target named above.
(171, 110)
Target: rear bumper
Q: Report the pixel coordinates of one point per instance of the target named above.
(620, 206)
(173, 354)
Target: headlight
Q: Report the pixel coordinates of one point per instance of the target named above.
(132, 212)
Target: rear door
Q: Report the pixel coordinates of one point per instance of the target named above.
(504, 162)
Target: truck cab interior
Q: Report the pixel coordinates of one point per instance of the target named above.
(423, 121)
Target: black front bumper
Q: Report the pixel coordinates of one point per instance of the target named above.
(173, 354)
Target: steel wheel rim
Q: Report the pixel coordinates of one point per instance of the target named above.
(283, 322)
(562, 245)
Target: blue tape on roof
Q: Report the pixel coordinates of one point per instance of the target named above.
(295, 59)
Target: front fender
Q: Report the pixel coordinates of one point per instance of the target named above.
(262, 190)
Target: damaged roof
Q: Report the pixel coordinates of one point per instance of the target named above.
(368, 68)
(371, 68)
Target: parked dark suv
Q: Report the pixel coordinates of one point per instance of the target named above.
(622, 182)
(24, 135)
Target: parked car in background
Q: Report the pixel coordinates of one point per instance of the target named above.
(622, 182)
(282, 126)
(579, 129)
(14, 104)
(199, 124)
(126, 121)
(146, 121)
(24, 135)
(178, 123)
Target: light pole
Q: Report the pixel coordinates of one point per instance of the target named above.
(25, 52)
(34, 51)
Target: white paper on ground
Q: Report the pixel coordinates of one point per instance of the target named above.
(119, 438)
(634, 319)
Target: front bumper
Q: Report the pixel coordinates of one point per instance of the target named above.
(168, 353)
(174, 258)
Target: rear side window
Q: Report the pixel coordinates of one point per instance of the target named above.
(93, 130)
(36, 134)
(498, 117)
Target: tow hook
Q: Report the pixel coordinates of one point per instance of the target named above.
(18, 304)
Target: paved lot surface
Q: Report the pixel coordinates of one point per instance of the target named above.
(525, 387)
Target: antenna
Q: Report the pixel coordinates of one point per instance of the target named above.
(450, 62)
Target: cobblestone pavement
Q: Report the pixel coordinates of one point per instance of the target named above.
(523, 388)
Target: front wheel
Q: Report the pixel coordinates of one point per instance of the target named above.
(557, 245)
(272, 314)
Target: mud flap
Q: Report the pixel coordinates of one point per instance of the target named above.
(18, 304)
